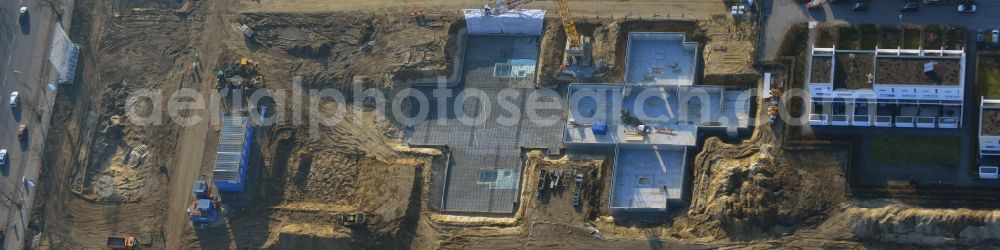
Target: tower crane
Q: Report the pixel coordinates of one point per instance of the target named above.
(576, 57)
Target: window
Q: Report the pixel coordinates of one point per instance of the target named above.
(487, 176)
(502, 70)
(645, 181)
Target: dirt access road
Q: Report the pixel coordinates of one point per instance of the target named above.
(190, 159)
(698, 9)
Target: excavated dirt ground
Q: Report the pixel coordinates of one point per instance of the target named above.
(727, 47)
(93, 186)
(762, 192)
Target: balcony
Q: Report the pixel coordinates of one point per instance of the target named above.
(841, 120)
(904, 121)
(861, 120)
(883, 121)
(818, 119)
(926, 122)
(948, 122)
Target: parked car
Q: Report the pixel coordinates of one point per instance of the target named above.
(980, 37)
(995, 38)
(14, 99)
(814, 4)
(3, 157)
(967, 8)
(860, 6)
(22, 132)
(909, 7)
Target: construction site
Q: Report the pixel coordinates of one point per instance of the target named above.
(636, 124)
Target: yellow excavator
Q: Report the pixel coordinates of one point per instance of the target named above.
(247, 66)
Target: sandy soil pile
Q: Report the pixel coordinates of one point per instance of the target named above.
(328, 50)
(346, 168)
(887, 221)
(111, 173)
(743, 193)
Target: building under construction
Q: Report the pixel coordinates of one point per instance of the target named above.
(484, 172)
(650, 122)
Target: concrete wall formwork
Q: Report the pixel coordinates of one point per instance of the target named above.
(522, 22)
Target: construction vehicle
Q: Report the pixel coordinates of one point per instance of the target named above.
(204, 211)
(355, 219)
(773, 112)
(577, 55)
(257, 82)
(578, 189)
(418, 15)
(557, 180)
(221, 79)
(542, 178)
(247, 67)
(121, 242)
(235, 75)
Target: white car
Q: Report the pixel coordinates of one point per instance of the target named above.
(3, 156)
(995, 37)
(13, 99)
(967, 8)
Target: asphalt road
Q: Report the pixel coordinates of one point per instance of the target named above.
(781, 14)
(24, 67)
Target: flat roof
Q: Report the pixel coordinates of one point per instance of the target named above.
(990, 122)
(647, 176)
(853, 70)
(822, 69)
(910, 71)
(660, 58)
(230, 152)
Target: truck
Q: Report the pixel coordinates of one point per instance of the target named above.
(353, 219)
(205, 211)
(121, 242)
(232, 162)
(578, 189)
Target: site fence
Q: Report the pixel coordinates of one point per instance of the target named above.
(64, 55)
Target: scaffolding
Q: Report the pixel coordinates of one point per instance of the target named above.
(64, 55)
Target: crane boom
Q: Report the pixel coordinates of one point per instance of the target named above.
(569, 26)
